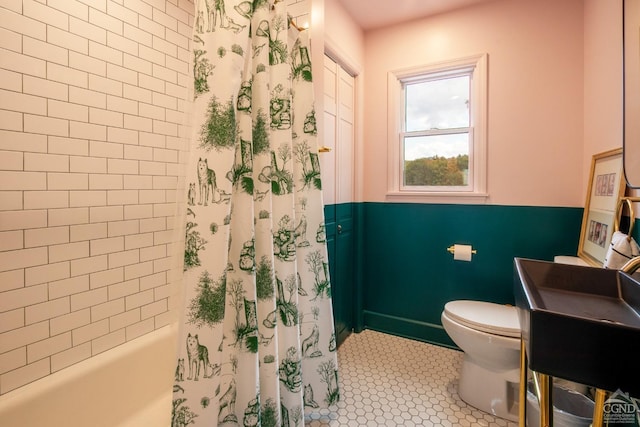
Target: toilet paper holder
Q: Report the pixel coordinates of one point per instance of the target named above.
(452, 249)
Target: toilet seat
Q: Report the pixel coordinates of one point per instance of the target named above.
(487, 317)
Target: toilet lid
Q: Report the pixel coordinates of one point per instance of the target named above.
(487, 317)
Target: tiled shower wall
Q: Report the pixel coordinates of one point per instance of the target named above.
(300, 11)
(92, 102)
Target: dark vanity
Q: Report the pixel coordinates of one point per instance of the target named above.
(577, 323)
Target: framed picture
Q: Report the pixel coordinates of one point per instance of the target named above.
(606, 186)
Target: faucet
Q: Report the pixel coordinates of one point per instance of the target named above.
(631, 266)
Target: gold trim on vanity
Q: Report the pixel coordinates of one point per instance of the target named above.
(522, 395)
(598, 409)
(544, 386)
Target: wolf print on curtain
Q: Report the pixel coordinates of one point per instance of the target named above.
(256, 345)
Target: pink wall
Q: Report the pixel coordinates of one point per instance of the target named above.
(343, 37)
(535, 128)
(602, 81)
(589, 79)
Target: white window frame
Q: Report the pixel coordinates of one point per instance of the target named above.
(476, 192)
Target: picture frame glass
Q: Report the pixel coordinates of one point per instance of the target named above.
(606, 186)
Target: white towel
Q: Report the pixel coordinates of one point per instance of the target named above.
(621, 250)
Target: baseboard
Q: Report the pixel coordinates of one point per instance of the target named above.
(408, 328)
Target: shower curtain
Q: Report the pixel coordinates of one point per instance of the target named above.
(256, 343)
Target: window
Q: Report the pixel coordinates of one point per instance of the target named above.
(437, 127)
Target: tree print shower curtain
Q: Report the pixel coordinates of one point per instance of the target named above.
(256, 343)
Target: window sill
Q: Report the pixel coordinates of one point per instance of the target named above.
(443, 197)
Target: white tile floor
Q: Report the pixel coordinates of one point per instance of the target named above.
(391, 381)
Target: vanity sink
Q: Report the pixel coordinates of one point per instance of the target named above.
(580, 323)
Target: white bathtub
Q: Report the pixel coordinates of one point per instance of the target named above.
(128, 386)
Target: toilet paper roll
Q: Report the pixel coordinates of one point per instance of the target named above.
(462, 252)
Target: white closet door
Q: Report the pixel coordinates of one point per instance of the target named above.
(345, 141)
(328, 159)
(337, 165)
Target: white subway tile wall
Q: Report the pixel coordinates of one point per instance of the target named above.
(92, 140)
(300, 11)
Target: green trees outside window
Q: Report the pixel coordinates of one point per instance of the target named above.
(437, 171)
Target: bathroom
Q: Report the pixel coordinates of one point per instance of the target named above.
(93, 147)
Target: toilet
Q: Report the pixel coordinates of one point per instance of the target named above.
(489, 336)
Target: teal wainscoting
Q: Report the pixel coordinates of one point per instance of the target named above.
(408, 275)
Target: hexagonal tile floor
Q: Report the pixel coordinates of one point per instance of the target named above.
(392, 381)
